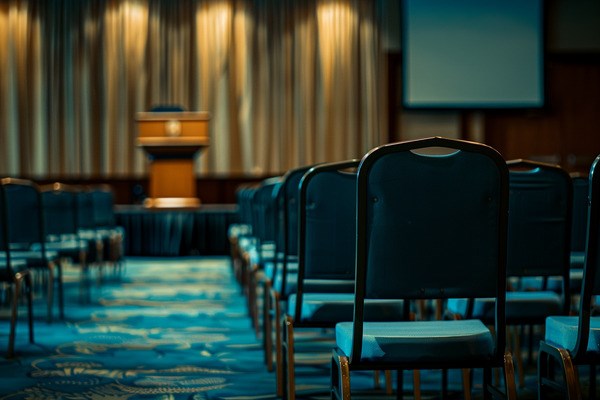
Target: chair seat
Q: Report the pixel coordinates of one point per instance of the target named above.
(423, 341)
(561, 331)
(261, 254)
(339, 307)
(17, 266)
(34, 258)
(67, 244)
(236, 231)
(271, 265)
(67, 247)
(291, 283)
(532, 306)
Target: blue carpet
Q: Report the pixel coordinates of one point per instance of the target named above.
(172, 329)
(167, 329)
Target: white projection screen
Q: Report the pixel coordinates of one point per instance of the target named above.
(473, 54)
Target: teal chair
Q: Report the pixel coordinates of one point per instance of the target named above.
(325, 279)
(432, 220)
(573, 341)
(62, 232)
(259, 248)
(240, 233)
(281, 274)
(27, 238)
(538, 253)
(14, 274)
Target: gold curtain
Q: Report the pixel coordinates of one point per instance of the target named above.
(287, 82)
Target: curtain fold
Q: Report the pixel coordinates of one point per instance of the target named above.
(287, 82)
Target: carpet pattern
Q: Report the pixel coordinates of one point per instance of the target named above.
(172, 328)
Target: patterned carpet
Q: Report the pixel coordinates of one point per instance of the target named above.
(167, 329)
(170, 329)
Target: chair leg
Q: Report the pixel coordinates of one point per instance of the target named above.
(389, 387)
(509, 377)
(85, 286)
(14, 316)
(416, 384)
(388, 380)
(247, 266)
(592, 389)
(376, 383)
(51, 267)
(29, 290)
(251, 296)
(399, 384)
(267, 325)
(340, 376)
(278, 345)
(466, 379)
(516, 339)
(61, 295)
(288, 361)
(547, 354)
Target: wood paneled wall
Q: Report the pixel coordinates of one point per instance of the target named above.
(567, 130)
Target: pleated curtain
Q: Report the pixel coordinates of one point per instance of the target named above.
(287, 83)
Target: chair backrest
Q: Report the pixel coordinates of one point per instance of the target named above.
(103, 201)
(4, 245)
(264, 207)
(60, 210)
(287, 222)
(327, 228)
(243, 196)
(580, 211)
(85, 210)
(291, 195)
(591, 272)
(432, 223)
(539, 222)
(25, 219)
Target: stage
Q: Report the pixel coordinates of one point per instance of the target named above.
(176, 232)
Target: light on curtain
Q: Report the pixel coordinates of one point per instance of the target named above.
(287, 82)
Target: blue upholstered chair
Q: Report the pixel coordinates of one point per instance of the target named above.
(326, 240)
(539, 246)
(86, 227)
(27, 238)
(61, 228)
(241, 232)
(432, 220)
(281, 276)
(259, 248)
(571, 341)
(539, 237)
(13, 274)
(106, 227)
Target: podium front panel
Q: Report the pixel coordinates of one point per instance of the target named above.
(172, 178)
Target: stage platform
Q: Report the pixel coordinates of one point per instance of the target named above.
(176, 232)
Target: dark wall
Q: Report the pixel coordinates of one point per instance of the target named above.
(567, 130)
(211, 190)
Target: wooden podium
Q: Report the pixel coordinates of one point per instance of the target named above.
(172, 140)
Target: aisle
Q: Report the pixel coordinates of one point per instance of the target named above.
(172, 329)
